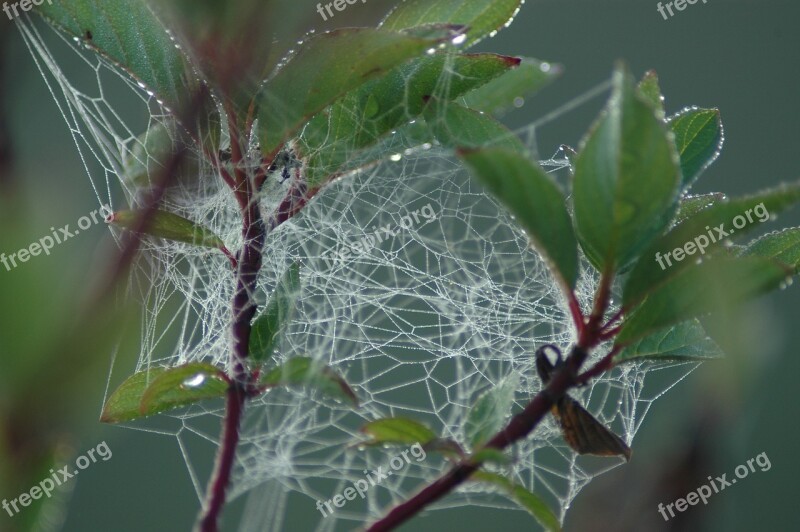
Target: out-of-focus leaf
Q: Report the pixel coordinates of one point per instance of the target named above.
(510, 89)
(456, 126)
(310, 373)
(627, 151)
(717, 282)
(526, 499)
(535, 201)
(269, 324)
(648, 274)
(783, 246)
(651, 90)
(691, 205)
(481, 17)
(398, 431)
(326, 68)
(366, 116)
(170, 226)
(490, 455)
(489, 413)
(685, 341)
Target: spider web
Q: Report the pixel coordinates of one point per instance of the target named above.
(443, 300)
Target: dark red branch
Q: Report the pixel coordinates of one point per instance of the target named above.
(248, 261)
(215, 498)
(525, 422)
(518, 428)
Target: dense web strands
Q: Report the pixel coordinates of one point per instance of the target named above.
(417, 287)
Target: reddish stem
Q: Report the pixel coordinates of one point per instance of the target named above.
(215, 498)
(605, 364)
(577, 314)
(248, 263)
(518, 428)
(525, 422)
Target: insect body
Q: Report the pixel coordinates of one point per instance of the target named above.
(580, 429)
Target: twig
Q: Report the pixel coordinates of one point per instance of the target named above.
(518, 428)
(244, 308)
(215, 498)
(525, 422)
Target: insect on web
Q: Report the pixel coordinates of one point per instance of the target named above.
(441, 300)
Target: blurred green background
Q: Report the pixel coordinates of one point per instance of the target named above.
(740, 56)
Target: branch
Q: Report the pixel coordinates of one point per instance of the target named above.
(518, 428)
(244, 308)
(132, 239)
(215, 498)
(521, 425)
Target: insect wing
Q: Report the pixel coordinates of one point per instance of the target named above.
(585, 434)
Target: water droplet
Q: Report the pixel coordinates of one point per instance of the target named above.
(195, 381)
(519, 101)
(460, 39)
(545, 67)
(396, 157)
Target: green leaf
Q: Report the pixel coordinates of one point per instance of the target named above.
(783, 246)
(326, 68)
(510, 89)
(455, 126)
(650, 89)
(398, 431)
(310, 373)
(129, 34)
(685, 341)
(698, 137)
(123, 404)
(159, 389)
(270, 323)
(529, 501)
(648, 274)
(536, 202)
(691, 205)
(490, 455)
(628, 151)
(333, 138)
(146, 155)
(489, 413)
(170, 226)
(183, 386)
(717, 282)
(481, 17)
